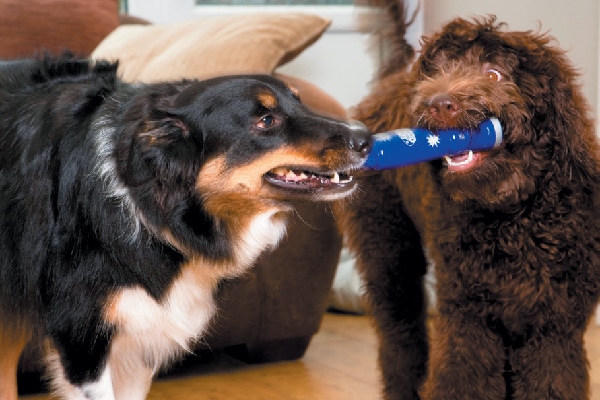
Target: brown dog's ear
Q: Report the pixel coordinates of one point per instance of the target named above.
(560, 114)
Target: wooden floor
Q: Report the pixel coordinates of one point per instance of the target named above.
(340, 364)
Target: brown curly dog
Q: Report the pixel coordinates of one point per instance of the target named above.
(514, 233)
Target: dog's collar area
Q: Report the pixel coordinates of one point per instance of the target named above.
(302, 179)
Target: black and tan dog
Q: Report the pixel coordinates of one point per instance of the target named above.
(123, 206)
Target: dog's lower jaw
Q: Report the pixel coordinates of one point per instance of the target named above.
(336, 196)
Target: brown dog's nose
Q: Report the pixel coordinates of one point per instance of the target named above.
(445, 108)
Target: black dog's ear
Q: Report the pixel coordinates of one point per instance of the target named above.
(169, 115)
(161, 153)
(167, 146)
(158, 145)
(164, 131)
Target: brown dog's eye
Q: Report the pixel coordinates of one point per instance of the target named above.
(493, 74)
(266, 122)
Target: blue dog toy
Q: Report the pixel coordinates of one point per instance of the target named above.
(404, 147)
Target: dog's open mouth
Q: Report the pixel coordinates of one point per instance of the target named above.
(304, 179)
(480, 142)
(464, 161)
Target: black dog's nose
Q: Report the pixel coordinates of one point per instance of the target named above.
(445, 108)
(361, 140)
(361, 145)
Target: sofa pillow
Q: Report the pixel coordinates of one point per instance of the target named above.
(34, 27)
(202, 48)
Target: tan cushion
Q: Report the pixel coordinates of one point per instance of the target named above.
(314, 97)
(34, 27)
(203, 48)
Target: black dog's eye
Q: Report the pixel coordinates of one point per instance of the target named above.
(267, 121)
(493, 74)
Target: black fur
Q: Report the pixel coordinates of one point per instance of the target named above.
(100, 192)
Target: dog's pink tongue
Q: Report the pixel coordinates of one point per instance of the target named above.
(459, 158)
(464, 161)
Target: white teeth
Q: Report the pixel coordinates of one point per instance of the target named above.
(298, 176)
(290, 175)
(335, 178)
(452, 163)
(280, 171)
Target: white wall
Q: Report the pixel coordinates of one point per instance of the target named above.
(573, 23)
(342, 62)
(161, 11)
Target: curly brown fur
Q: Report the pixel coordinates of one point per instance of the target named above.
(513, 234)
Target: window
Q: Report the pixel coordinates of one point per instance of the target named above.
(275, 2)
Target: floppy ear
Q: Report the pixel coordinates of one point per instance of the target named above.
(167, 130)
(560, 112)
(158, 159)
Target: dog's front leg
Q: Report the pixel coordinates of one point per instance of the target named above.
(12, 343)
(392, 264)
(551, 366)
(133, 384)
(77, 346)
(467, 360)
(131, 375)
(124, 377)
(66, 386)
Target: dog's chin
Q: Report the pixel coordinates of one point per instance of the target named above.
(304, 184)
(465, 161)
(485, 179)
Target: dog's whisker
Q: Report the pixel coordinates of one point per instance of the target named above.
(421, 118)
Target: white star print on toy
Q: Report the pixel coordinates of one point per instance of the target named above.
(433, 140)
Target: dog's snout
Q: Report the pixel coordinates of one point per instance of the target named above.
(361, 145)
(361, 139)
(445, 108)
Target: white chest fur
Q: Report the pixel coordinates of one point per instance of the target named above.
(150, 333)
